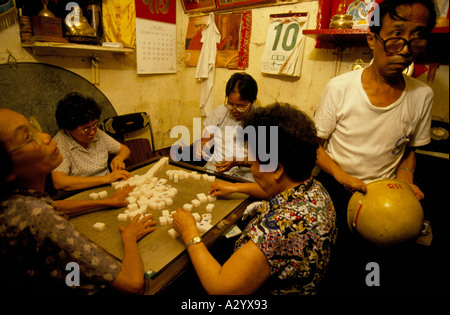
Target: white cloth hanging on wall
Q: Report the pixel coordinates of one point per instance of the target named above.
(206, 65)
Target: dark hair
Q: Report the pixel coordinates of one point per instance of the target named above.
(390, 7)
(245, 84)
(297, 137)
(75, 110)
(5, 170)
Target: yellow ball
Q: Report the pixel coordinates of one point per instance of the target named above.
(388, 214)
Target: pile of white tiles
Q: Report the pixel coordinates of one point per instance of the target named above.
(153, 193)
(178, 175)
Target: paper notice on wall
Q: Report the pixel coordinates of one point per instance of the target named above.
(285, 42)
(155, 47)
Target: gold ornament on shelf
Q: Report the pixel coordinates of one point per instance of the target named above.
(77, 24)
(341, 21)
(45, 12)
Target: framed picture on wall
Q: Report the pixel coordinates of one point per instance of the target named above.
(233, 49)
(240, 3)
(198, 5)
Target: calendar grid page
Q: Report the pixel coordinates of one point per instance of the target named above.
(155, 47)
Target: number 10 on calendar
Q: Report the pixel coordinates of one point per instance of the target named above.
(283, 42)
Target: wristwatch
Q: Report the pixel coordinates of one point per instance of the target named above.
(194, 240)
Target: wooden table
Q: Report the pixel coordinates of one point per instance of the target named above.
(164, 258)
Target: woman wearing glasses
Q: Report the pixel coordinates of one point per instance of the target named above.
(85, 148)
(40, 248)
(240, 94)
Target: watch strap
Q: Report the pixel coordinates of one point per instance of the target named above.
(194, 240)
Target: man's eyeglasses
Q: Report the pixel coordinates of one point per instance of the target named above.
(88, 130)
(396, 44)
(35, 129)
(239, 107)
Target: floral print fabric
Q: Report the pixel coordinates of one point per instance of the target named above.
(37, 243)
(295, 230)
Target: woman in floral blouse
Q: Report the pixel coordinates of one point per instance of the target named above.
(285, 249)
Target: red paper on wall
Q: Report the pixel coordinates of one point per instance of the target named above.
(157, 10)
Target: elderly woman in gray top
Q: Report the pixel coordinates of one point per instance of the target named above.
(39, 246)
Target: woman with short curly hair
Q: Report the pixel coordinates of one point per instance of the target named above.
(85, 148)
(285, 248)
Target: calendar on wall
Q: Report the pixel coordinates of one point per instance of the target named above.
(285, 42)
(155, 47)
(156, 36)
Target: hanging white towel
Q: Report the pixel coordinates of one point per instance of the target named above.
(206, 65)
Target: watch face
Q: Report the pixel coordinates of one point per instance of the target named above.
(197, 239)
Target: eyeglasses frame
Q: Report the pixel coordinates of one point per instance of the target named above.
(405, 42)
(35, 129)
(87, 130)
(239, 109)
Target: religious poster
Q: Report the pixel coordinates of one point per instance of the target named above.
(285, 42)
(359, 9)
(233, 48)
(442, 10)
(156, 36)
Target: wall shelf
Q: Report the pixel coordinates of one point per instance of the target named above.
(71, 49)
(440, 30)
(338, 35)
(329, 38)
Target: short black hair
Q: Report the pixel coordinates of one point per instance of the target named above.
(245, 84)
(5, 170)
(390, 7)
(75, 110)
(297, 137)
